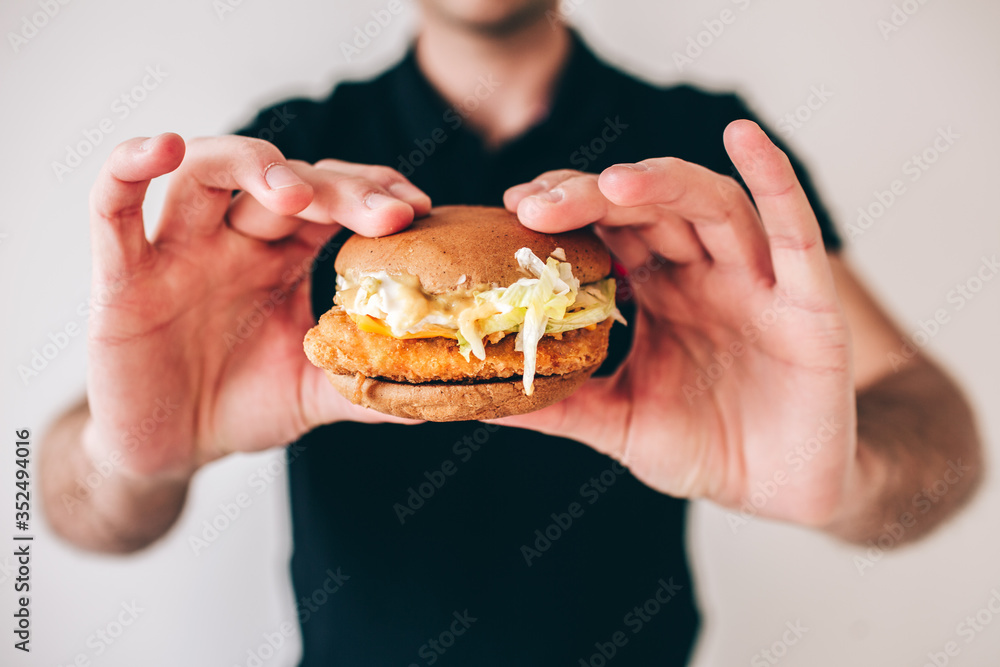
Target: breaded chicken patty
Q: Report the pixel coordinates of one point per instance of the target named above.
(338, 345)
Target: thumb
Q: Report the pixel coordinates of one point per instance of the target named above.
(118, 238)
(597, 414)
(322, 404)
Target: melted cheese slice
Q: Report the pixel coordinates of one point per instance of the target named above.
(375, 325)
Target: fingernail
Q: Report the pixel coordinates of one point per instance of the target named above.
(551, 196)
(279, 176)
(635, 166)
(145, 146)
(377, 200)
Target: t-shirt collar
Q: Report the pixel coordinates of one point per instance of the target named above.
(423, 112)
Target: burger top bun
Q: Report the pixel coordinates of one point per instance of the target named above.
(476, 242)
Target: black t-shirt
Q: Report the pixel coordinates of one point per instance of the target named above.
(469, 544)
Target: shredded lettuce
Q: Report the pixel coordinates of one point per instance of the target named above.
(532, 307)
(549, 300)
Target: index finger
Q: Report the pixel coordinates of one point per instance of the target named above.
(200, 191)
(718, 209)
(563, 200)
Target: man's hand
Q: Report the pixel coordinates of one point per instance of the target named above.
(743, 384)
(196, 348)
(208, 316)
(741, 354)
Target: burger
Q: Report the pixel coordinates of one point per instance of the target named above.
(466, 314)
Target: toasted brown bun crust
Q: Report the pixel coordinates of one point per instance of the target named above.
(443, 402)
(477, 242)
(338, 345)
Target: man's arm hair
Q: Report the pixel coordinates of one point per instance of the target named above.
(919, 456)
(106, 509)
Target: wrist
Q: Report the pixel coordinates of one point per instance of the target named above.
(125, 462)
(859, 513)
(94, 501)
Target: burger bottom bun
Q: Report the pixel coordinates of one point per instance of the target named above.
(449, 402)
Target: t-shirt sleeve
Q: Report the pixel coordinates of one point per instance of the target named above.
(831, 239)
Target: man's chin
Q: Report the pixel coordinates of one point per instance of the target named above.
(490, 18)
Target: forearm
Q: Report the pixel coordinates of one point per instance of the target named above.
(95, 504)
(919, 457)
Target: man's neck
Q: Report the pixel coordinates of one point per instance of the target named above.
(502, 85)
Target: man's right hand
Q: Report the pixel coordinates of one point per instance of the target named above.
(196, 351)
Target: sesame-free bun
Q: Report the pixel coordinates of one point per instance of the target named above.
(447, 402)
(476, 242)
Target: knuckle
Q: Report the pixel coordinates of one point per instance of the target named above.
(794, 242)
(731, 195)
(669, 164)
(328, 164)
(360, 186)
(382, 174)
(729, 189)
(581, 179)
(116, 217)
(251, 150)
(557, 175)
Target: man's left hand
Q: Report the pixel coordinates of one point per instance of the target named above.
(740, 376)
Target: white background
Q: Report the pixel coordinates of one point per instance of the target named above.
(890, 97)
